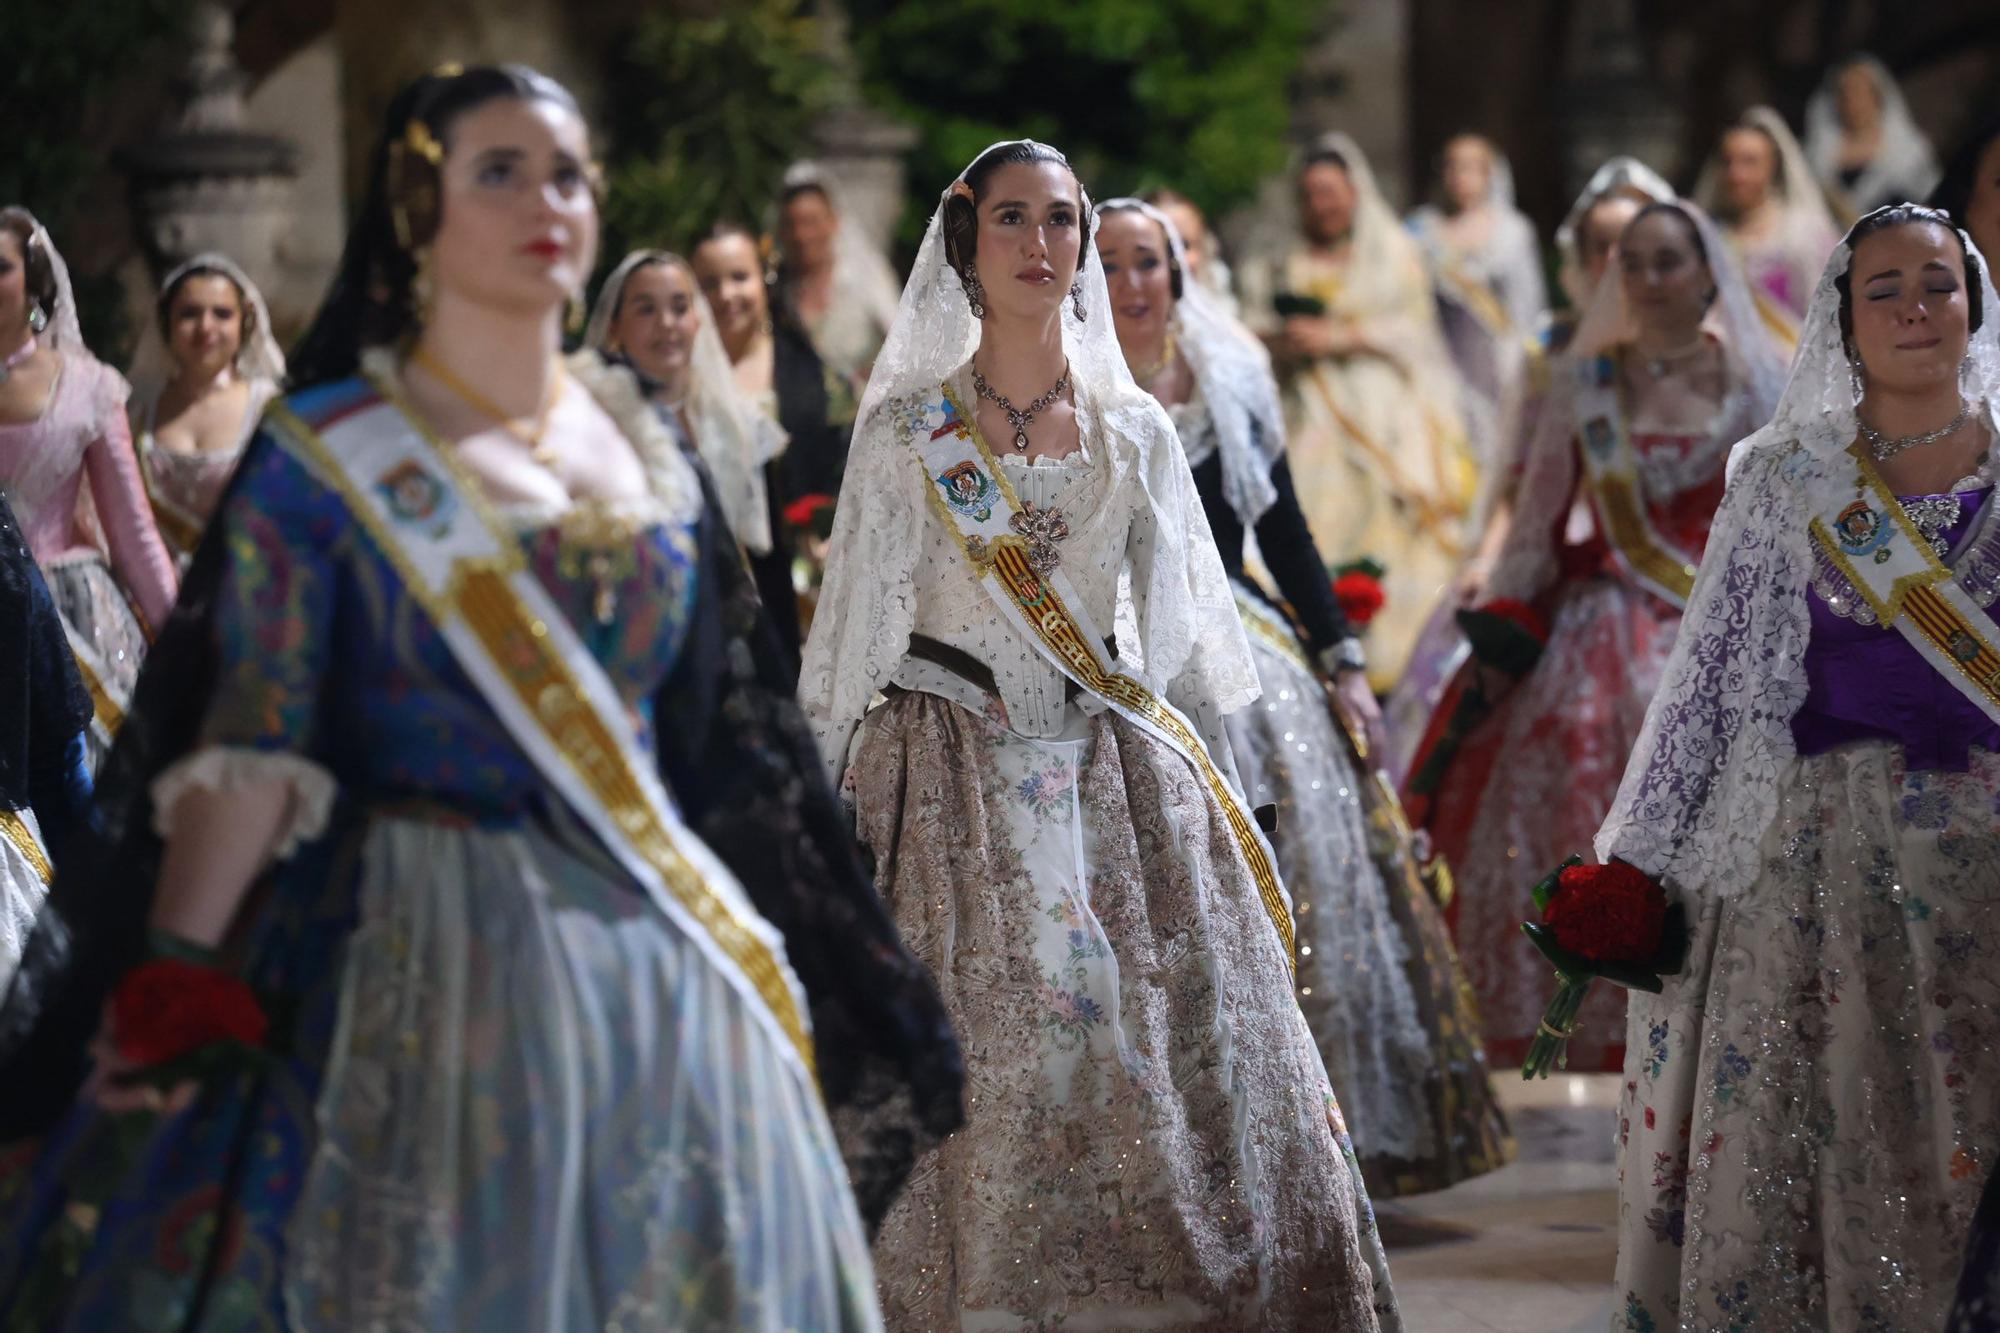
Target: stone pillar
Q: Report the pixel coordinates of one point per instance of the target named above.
(860, 151)
(209, 182)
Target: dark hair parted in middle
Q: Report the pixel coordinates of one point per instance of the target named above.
(370, 302)
(961, 215)
(163, 308)
(38, 272)
(1907, 215)
(1175, 280)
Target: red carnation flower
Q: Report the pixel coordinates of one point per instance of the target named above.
(1360, 595)
(1523, 615)
(1608, 914)
(805, 511)
(168, 1007)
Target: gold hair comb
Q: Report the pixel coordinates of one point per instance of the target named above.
(962, 190)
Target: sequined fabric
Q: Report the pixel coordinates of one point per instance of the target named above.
(1813, 1104)
(1150, 1141)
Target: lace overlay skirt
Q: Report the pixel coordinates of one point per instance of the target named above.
(1379, 984)
(1150, 1142)
(1531, 786)
(98, 617)
(1812, 1107)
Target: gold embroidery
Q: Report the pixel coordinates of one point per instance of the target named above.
(519, 645)
(15, 829)
(109, 715)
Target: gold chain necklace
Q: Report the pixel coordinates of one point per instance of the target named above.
(538, 448)
(1147, 374)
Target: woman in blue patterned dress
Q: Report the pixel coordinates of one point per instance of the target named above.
(462, 671)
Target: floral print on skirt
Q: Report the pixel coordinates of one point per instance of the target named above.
(1151, 1142)
(1812, 1106)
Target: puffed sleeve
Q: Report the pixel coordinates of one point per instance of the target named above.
(138, 556)
(271, 630)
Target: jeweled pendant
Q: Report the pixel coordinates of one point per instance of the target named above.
(1020, 442)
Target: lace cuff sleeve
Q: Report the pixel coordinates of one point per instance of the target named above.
(225, 768)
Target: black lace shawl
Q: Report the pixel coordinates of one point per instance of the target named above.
(736, 753)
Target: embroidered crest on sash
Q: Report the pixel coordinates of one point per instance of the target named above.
(967, 490)
(1862, 531)
(416, 496)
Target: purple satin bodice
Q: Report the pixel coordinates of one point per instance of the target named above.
(1866, 682)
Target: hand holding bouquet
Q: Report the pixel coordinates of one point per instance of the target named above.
(1610, 921)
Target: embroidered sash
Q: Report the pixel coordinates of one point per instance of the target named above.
(1863, 531)
(521, 652)
(16, 830)
(976, 503)
(1612, 469)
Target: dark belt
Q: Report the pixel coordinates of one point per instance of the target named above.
(969, 668)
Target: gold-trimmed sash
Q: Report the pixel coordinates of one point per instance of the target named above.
(1863, 530)
(17, 831)
(1612, 470)
(975, 501)
(519, 649)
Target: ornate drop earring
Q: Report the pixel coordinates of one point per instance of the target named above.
(38, 318)
(423, 288)
(1076, 300)
(1857, 379)
(573, 319)
(975, 295)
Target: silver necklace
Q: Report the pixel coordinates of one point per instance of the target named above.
(1020, 417)
(1882, 447)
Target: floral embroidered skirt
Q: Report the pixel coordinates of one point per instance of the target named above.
(1531, 786)
(1151, 1143)
(541, 1110)
(105, 626)
(1812, 1107)
(1378, 981)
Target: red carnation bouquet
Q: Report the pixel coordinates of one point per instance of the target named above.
(1611, 921)
(1358, 586)
(174, 1019)
(811, 513)
(1505, 635)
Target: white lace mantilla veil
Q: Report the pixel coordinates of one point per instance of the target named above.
(1527, 562)
(1618, 175)
(259, 361)
(1234, 373)
(734, 440)
(1702, 784)
(1191, 644)
(862, 275)
(1905, 158)
(1800, 198)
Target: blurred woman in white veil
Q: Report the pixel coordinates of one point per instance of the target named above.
(1761, 190)
(199, 390)
(650, 316)
(1056, 821)
(1809, 1105)
(1670, 367)
(1373, 403)
(1862, 141)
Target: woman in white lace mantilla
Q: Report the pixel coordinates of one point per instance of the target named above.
(1152, 1141)
(1861, 139)
(650, 316)
(1810, 1105)
(198, 391)
(1378, 979)
(1762, 191)
(1373, 404)
(1670, 367)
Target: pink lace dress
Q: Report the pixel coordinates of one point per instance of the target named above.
(106, 605)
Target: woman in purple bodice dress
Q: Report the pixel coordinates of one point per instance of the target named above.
(1812, 1104)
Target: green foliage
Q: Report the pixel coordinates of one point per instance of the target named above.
(704, 115)
(59, 62)
(1138, 93)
